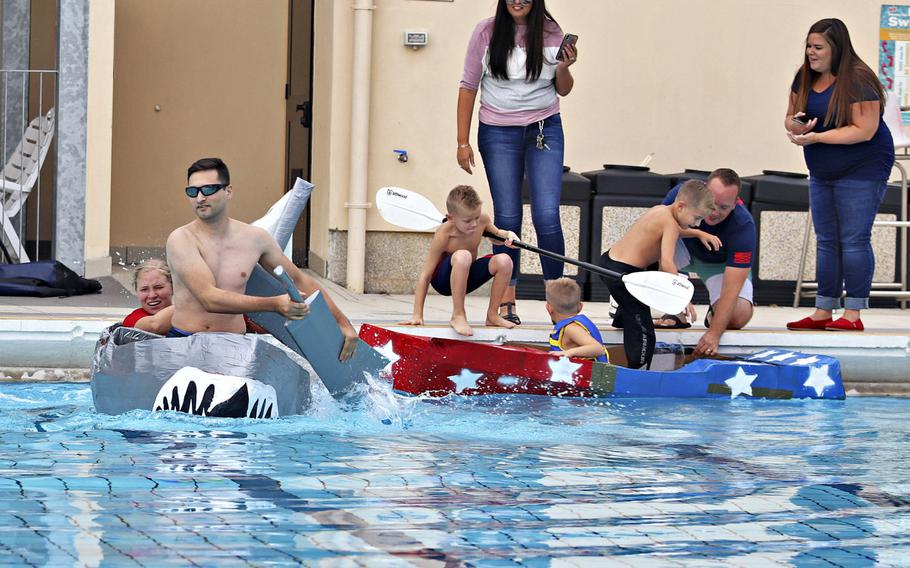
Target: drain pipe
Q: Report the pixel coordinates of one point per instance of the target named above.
(357, 204)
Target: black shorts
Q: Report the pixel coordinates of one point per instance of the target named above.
(477, 275)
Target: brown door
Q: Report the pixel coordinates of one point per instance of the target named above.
(299, 112)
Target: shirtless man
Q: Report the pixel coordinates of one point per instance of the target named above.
(213, 256)
(652, 238)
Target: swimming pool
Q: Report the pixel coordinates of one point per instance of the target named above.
(485, 481)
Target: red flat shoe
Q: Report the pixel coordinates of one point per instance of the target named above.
(808, 323)
(843, 324)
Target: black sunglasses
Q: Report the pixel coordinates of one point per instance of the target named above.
(207, 190)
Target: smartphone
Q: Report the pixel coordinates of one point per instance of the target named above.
(804, 120)
(568, 39)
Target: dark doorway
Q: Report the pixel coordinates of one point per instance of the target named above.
(299, 112)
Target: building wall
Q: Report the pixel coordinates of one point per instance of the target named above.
(194, 79)
(99, 138)
(701, 84)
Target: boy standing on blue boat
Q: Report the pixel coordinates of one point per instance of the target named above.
(574, 334)
(452, 266)
(651, 239)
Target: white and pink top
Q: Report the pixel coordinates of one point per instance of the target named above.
(516, 101)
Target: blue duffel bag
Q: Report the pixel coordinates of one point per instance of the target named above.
(44, 278)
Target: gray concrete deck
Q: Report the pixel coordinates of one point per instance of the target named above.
(57, 335)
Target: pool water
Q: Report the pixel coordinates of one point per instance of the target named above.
(486, 481)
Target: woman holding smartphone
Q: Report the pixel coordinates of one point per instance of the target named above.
(518, 61)
(835, 114)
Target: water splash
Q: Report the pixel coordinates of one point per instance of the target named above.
(376, 398)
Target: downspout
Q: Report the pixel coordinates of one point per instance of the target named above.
(360, 138)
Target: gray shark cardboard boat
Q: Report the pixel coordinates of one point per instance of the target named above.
(207, 374)
(230, 375)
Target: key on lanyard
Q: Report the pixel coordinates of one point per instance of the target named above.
(540, 138)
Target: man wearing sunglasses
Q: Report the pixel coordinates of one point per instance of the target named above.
(212, 257)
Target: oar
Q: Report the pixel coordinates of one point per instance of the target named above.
(660, 290)
(286, 279)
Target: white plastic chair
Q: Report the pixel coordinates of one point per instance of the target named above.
(19, 176)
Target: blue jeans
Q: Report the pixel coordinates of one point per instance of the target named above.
(842, 213)
(510, 155)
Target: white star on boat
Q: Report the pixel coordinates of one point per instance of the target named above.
(740, 383)
(561, 370)
(782, 357)
(465, 380)
(819, 379)
(388, 352)
(807, 360)
(763, 354)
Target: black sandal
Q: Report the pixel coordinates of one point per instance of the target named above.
(709, 314)
(510, 314)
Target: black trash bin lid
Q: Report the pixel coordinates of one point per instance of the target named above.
(793, 175)
(626, 167)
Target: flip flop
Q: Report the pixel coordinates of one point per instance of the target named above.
(510, 314)
(709, 314)
(677, 322)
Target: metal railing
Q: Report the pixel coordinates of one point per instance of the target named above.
(899, 289)
(27, 128)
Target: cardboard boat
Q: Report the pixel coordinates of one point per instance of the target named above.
(440, 367)
(224, 375)
(232, 375)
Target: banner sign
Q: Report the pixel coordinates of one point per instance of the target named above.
(894, 53)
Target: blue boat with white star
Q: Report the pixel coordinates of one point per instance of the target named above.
(438, 367)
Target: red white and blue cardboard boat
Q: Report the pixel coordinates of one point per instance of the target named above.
(439, 367)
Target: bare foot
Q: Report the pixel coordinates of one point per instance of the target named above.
(499, 321)
(460, 325)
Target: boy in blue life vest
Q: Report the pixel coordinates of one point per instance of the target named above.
(575, 335)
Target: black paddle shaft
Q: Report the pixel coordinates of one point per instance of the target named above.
(581, 264)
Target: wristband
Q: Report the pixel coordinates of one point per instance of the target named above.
(460, 146)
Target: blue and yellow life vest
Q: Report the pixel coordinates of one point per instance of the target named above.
(585, 322)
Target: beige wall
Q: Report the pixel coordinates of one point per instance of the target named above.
(331, 120)
(701, 83)
(98, 136)
(217, 70)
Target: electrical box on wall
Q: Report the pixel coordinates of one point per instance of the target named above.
(416, 38)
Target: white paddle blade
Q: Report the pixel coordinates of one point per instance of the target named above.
(662, 291)
(407, 209)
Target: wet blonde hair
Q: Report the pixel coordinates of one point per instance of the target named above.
(564, 295)
(462, 199)
(696, 194)
(151, 264)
